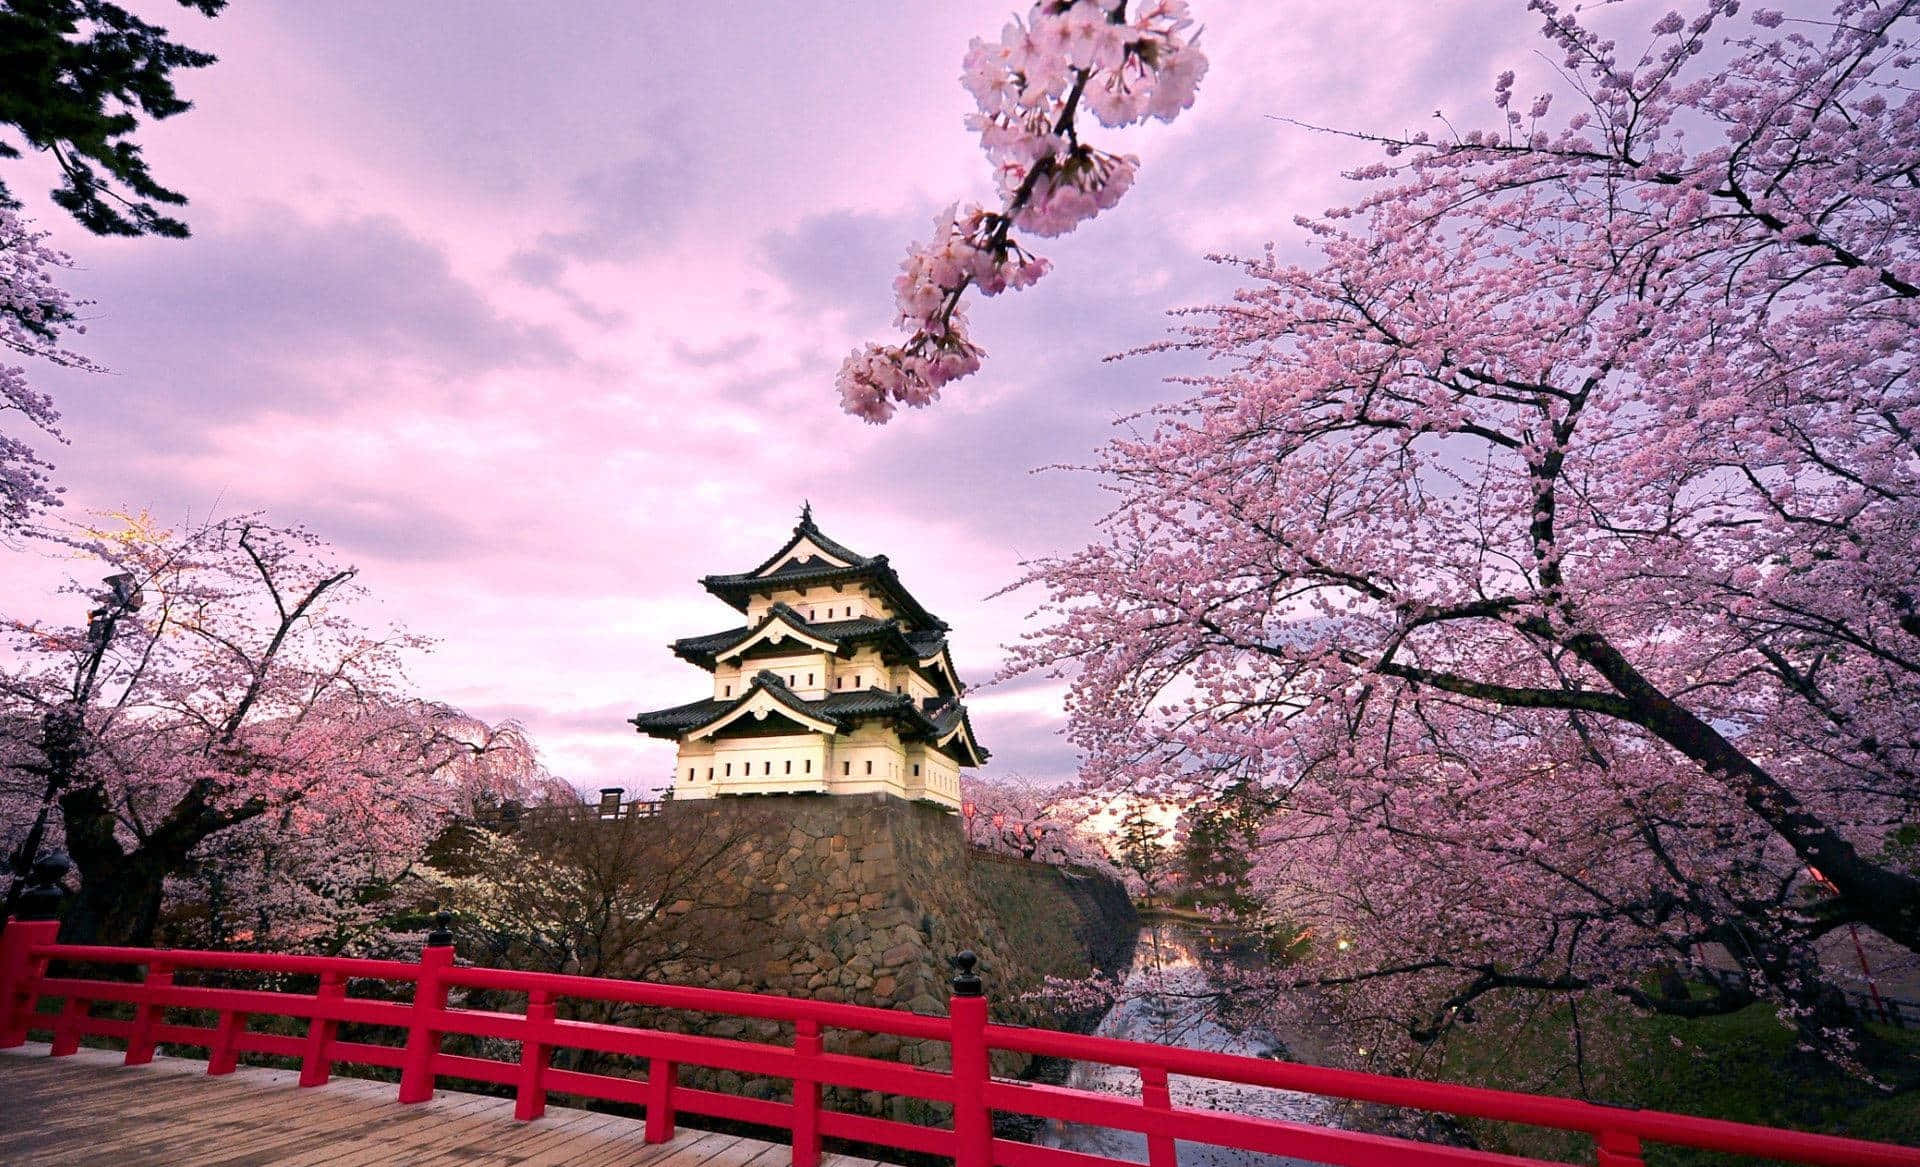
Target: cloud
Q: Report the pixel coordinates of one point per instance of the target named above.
(842, 261)
(281, 313)
(401, 526)
(727, 352)
(1028, 744)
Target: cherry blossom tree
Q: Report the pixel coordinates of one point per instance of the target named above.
(223, 726)
(328, 872)
(1543, 550)
(1031, 88)
(1016, 816)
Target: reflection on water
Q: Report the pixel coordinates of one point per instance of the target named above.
(1165, 1004)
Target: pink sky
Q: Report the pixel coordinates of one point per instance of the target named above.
(535, 317)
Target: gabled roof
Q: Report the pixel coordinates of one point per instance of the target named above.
(700, 649)
(926, 648)
(767, 694)
(943, 724)
(927, 641)
(780, 624)
(953, 733)
(671, 723)
(806, 532)
(809, 558)
(939, 666)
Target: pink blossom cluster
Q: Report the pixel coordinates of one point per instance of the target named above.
(1029, 86)
(33, 312)
(1013, 816)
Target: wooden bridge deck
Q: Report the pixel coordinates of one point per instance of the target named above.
(88, 1108)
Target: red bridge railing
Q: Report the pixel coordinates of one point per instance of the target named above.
(27, 948)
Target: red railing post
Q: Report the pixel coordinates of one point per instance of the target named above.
(429, 1001)
(224, 1057)
(148, 1014)
(661, 1075)
(316, 1060)
(806, 1095)
(1617, 1149)
(1155, 1095)
(19, 972)
(969, 1066)
(66, 1028)
(530, 1100)
(38, 922)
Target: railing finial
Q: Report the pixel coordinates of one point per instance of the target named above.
(442, 934)
(964, 983)
(45, 890)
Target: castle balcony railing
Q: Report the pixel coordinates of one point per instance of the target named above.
(511, 814)
(368, 994)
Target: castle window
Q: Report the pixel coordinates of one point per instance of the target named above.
(727, 692)
(846, 767)
(916, 769)
(839, 682)
(809, 766)
(869, 766)
(709, 773)
(766, 767)
(729, 769)
(789, 765)
(809, 678)
(689, 773)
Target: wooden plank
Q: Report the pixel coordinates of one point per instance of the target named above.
(585, 1134)
(764, 1155)
(91, 1108)
(237, 1126)
(688, 1148)
(408, 1137)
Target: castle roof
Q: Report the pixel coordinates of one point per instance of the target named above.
(809, 559)
(941, 721)
(925, 647)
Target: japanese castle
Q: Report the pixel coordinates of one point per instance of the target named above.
(839, 682)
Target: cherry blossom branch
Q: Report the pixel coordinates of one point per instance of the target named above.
(1030, 88)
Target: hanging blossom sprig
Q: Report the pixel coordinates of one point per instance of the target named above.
(1067, 56)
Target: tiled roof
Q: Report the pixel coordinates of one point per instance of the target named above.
(850, 629)
(918, 646)
(875, 572)
(677, 720)
(806, 530)
(863, 702)
(949, 714)
(840, 709)
(712, 642)
(927, 641)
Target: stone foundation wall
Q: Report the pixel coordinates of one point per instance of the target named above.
(863, 898)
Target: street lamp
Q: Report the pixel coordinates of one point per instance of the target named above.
(123, 596)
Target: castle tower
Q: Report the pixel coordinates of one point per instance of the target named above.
(839, 682)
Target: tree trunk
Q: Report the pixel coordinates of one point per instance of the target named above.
(120, 892)
(118, 902)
